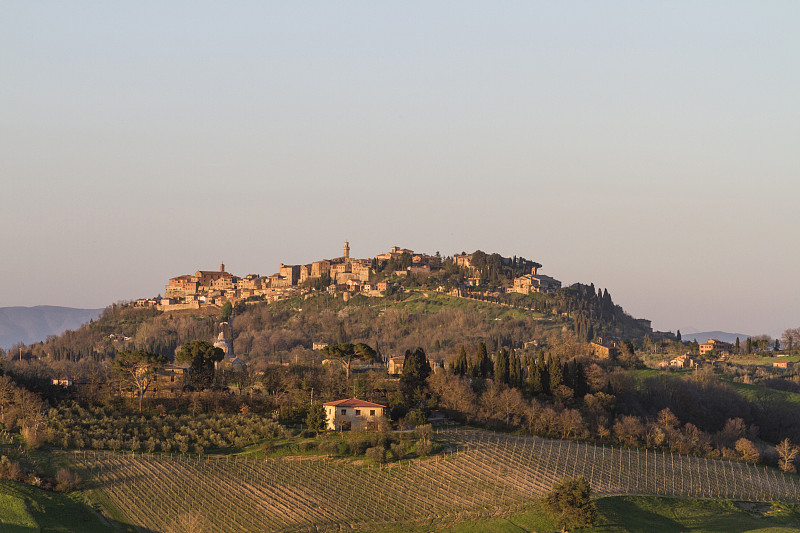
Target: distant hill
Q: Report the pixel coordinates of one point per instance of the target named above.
(723, 336)
(34, 324)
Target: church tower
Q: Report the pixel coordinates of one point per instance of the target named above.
(346, 250)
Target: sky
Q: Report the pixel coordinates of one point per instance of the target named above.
(651, 148)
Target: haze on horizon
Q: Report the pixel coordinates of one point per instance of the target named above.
(648, 147)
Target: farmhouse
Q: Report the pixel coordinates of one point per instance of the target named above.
(603, 350)
(723, 348)
(354, 414)
(395, 365)
(683, 361)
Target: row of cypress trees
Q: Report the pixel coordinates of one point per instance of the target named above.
(534, 376)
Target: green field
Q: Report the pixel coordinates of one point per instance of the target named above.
(27, 509)
(759, 393)
(639, 514)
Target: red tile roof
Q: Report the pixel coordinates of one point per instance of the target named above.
(352, 402)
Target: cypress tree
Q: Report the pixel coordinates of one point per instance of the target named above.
(579, 382)
(544, 373)
(484, 363)
(501, 367)
(556, 374)
(737, 347)
(416, 369)
(567, 372)
(534, 379)
(515, 377)
(460, 366)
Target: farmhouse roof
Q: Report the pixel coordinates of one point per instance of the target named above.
(352, 402)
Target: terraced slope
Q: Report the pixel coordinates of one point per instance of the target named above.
(483, 474)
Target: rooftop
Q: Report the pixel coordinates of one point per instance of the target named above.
(352, 402)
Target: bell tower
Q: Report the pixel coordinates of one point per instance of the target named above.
(346, 250)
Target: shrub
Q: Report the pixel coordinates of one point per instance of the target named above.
(424, 447)
(416, 417)
(357, 446)
(570, 502)
(307, 446)
(268, 447)
(399, 450)
(67, 480)
(11, 470)
(329, 447)
(377, 454)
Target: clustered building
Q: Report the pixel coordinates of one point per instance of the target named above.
(341, 274)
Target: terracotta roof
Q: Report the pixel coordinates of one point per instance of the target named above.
(352, 402)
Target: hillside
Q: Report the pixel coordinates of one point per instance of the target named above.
(481, 474)
(35, 324)
(404, 319)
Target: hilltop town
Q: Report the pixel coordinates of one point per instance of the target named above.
(371, 277)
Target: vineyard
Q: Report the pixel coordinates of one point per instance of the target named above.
(481, 474)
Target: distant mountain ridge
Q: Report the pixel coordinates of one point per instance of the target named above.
(34, 324)
(723, 336)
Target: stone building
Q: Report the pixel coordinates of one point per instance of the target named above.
(353, 414)
(534, 282)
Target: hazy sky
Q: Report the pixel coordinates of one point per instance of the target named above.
(651, 148)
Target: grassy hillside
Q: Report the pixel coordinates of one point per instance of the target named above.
(27, 509)
(645, 514)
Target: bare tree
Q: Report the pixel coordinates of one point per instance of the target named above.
(748, 451)
(787, 453)
(138, 369)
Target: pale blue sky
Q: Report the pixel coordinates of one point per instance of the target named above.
(651, 148)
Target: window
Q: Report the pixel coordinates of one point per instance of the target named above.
(344, 411)
(372, 412)
(358, 412)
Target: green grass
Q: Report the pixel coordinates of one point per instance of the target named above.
(635, 514)
(26, 508)
(14, 515)
(759, 393)
(638, 514)
(759, 360)
(415, 301)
